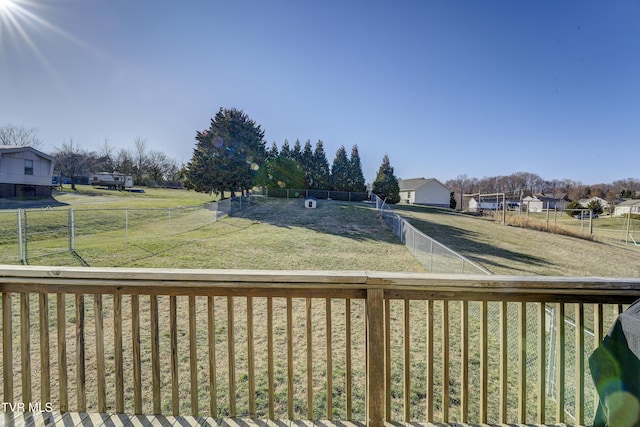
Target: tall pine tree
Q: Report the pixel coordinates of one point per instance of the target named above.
(227, 155)
(320, 171)
(386, 184)
(356, 177)
(340, 171)
(307, 164)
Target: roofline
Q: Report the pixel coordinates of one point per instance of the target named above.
(19, 148)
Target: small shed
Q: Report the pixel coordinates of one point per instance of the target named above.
(310, 202)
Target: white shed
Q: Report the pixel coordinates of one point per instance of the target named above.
(310, 202)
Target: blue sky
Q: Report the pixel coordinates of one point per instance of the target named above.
(445, 87)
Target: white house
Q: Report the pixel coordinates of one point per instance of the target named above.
(627, 206)
(424, 191)
(25, 172)
(542, 202)
(603, 202)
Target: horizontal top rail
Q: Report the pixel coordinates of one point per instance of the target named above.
(304, 283)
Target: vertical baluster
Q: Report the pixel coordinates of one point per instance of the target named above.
(329, 359)
(504, 347)
(270, 356)
(80, 354)
(290, 394)
(309, 361)
(348, 373)
(25, 347)
(45, 375)
(250, 361)
(560, 363)
(445, 361)
(430, 372)
(542, 351)
(522, 362)
(155, 354)
(100, 366)
(464, 359)
(193, 356)
(211, 335)
(387, 358)
(117, 350)
(231, 354)
(135, 344)
(407, 361)
(62, 352)
(173, 334)
(7, 347)
(580, 365)
(484, 361)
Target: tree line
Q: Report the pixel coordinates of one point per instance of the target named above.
(528, 184)
(231, 155)
(147, 166)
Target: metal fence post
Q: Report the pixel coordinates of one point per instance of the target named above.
(126, 225)
(72, 244)
(20, 246)
(25, 236)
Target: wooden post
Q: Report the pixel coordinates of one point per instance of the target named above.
(375, 358)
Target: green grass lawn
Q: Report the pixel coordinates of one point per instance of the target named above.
(513, 250)
(282, 234)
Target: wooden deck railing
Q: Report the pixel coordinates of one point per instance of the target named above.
(362, 346)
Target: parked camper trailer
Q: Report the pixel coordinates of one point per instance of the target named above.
(111, 180)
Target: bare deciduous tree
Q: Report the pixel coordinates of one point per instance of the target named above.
(19, 136)
(71, 161)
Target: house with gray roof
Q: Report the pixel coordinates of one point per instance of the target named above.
(25, 172)
(424, 191)
(627, 206)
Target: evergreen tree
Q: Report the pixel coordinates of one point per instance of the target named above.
(452, 200)
(272, 152)
(285, 150)
(356, 177)
(227, 155)
(307, 165)
(320, 172)
(386, 184)
(296, 153)
(281, 172)
(340, 171)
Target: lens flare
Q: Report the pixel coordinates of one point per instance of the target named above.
(22, 20)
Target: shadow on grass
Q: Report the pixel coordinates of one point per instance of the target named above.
(468, 243)
(353, 220)
(31, 203)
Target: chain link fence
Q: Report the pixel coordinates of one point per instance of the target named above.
(29, 234)
(438, 258)
(433, 255)
(289, 193)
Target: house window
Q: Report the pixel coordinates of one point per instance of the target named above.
(28, 167)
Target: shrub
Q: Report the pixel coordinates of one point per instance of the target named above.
(572, 207)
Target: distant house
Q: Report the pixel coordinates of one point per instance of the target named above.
(477, 204)
(628, 206)
(25, 172)
(424, 191)
(603, 202)
(543, 202)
